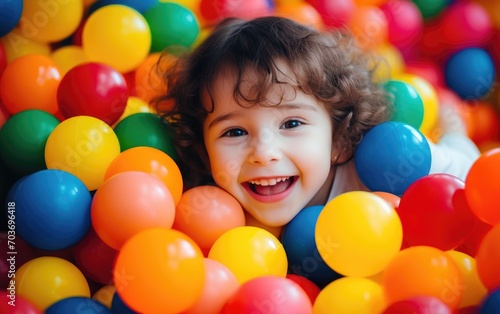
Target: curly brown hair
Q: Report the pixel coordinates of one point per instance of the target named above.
(328, 65)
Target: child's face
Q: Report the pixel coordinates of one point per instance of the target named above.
(274, 160)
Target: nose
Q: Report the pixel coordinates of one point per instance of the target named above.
(264, 149)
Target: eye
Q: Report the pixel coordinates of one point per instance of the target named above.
(290, 124)
(234, 133)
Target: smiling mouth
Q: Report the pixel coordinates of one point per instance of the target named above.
(267, 187)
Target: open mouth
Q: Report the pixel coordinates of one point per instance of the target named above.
(268, 187)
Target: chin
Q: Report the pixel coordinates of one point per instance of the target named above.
(273, 220)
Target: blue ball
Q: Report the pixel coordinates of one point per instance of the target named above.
(470, 73)
(118, 306)
(10, 14)
(491, 303)
(77, 305)
(391, 156)
(52, 209)
(298, 239)
(139, 5)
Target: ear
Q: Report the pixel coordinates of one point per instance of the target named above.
(341, 156)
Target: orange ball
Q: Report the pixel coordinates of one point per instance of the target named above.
(423, 270)
(206, 212)
(148, 79)
(488, 259)
(484, 122)
(30, 82)
(482, 185)
(369, 26)
(301, 12)
(159, 271)
(150, 160)
(130, 202)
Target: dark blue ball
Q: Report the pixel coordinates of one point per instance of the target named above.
(77, 305)
(10, 14)
(491, 304)
(298, 239)
(470, 73)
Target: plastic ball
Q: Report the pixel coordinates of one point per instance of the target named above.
(250, 252)
(16, 45)
(46, 280)
(392, 62)
(470, 73)
(172, 26)
(10, 16)
(434, 212)
(29, 78)
(418, 305)
(83, 146)
(404, 23)
(431, 8)
(52, 209)
(105, 295)
(128, 203)
(369, 26)
(488, 257)
(473, 290)
(206, 212)
(213, 11)
(109, 32)
(423, 270)
(220, 284)
(350, 295)
(301, 12)
(307, 285)
(491, 303)
(23, 138)
(15, 304)
(298, 239)
(471, 243)
(93, 89)
(76, 305)
(391, 156)
(134, 105)
(149, 160)
(483, 121)
(171, 266)
(145, 129)
(67, 57)
(408, 106)
(138, 5)
(94, 258)
(482, 185)
(51, 21)
(148, 80)
(25, 252)
(429, 98)
(334, 13)
(269, 294)
(347, 235)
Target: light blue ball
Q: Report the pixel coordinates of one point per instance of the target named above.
(391, 156)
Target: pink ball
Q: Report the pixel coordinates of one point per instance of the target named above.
(405, 22)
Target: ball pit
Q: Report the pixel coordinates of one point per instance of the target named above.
(102, 220)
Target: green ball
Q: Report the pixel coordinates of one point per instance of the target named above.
(145, 129)
(172, 26)
(23, 138)
(431, 8)
(407, 103)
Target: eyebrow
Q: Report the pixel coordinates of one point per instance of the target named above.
(281, 107)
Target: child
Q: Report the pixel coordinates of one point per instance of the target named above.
(272, 111)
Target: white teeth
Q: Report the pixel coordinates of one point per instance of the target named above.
(266, 182)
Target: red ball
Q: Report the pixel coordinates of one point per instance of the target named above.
(434, 212)
(93, 89)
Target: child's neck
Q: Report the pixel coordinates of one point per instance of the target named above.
(322, 195)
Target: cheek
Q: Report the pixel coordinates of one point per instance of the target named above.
(224, 165)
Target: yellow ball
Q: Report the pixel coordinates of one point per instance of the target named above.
(250, 252)
(46, 280)
(474, 290)
(83, 146)
(67, 57)
(350, 295)
(50, 21)
(358, 233)
(105, 295)
(16, 45)
(118, 36)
